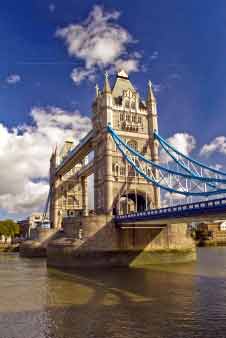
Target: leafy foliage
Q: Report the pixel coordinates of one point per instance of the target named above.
(9, 228)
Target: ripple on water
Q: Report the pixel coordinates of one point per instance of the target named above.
(166, 301)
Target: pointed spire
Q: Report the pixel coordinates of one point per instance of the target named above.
(150, 96)
(97, 90)
(107, 88)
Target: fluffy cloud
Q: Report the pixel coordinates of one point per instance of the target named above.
(217, 145)
(184, 143)
(25, 152)
(52, 7)
(100, 42)
(80, 74)
(154, 55)
(13, 79)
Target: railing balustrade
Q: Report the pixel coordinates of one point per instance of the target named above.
(176, 211)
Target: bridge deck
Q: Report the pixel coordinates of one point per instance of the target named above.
(186, 213)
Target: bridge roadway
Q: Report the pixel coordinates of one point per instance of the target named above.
(185, 213)
(76, 155)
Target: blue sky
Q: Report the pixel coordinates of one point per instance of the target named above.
(179, 45)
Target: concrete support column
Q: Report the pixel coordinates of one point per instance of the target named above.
(108, 193)
(84, 196)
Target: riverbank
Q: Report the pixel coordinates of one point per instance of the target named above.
(9, 248)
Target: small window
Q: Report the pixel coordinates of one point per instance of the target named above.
(70, 200)
(133, 105)
(127, 103)
(133, 144)
(121, 117)
(139, 119)
(122, 171)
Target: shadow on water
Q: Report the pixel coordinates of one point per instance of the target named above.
(166, 301)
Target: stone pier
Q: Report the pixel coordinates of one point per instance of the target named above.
(91, 241)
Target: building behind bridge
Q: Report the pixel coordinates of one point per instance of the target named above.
(212, 233)
(29, 225)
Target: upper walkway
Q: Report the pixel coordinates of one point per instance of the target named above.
(76, 155)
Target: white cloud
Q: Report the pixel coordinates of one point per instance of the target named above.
(100, 42)
(154, 55)
(25, 152)
(130, 65)
(13, 79)
(183, 142)
(217, 145)
(80, 74)
(52, 7)
(157, 87)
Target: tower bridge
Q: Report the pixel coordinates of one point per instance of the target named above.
(129, 226)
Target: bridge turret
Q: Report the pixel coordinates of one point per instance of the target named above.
(153, 126)
(152, 108)
(107, 102)
(54, 161)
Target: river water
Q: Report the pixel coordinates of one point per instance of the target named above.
(186, 300)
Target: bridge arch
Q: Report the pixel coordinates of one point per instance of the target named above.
(132, 202)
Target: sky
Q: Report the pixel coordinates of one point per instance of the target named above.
(54, 52)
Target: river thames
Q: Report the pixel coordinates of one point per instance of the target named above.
(186, 300)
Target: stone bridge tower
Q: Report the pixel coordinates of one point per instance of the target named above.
(117, 188)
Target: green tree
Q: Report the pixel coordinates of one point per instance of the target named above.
(9, 228)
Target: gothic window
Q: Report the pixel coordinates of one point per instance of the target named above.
(128, 117)
(132, 144)
(121, 117)
(70, 200)
(127, 103)
(76, 202)
(122, 171)
(134, 118)
(116, 170)
(131, 171)
(139, 119)
(133, 105)
(118, 101)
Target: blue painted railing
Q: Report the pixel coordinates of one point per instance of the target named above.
(183, 210)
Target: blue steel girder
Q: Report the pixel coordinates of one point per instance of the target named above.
(188, 183)
(204, 209)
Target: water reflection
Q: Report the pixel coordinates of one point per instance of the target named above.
(165, 301)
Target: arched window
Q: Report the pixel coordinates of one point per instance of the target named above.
(133, 144)
(70, 200)
(133, 105)
(122, 171)
(116, 169)
(127, 104)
